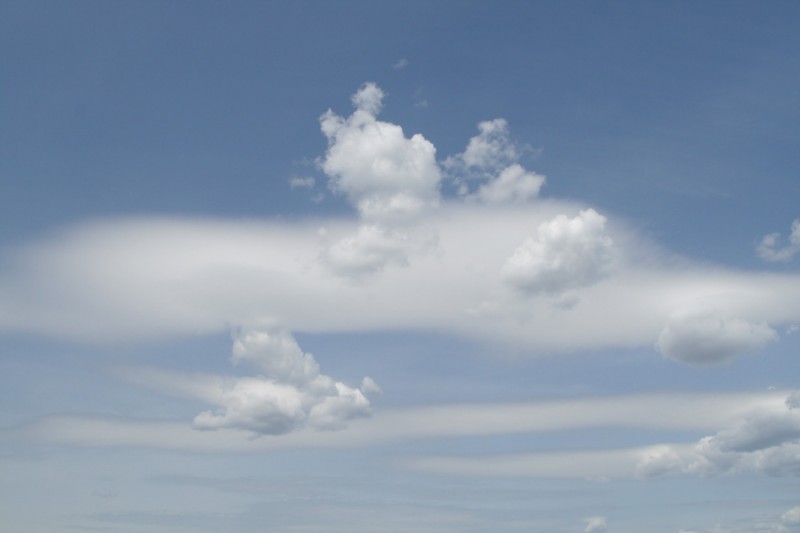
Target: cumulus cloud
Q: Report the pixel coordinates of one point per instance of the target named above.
(491, 158)
(768, 248)
(658, 461)
(385, 175)
(765, 440)
(490, 150)
(596, 524)
(513, 184)
(289, 392)
(707, 338)
(567, 253)
(152, 277)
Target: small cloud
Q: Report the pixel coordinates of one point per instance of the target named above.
(288, 393)
(307, 182)
(490, 150)
(596, 524)
(567, 253)
(513, 185)
(768, 248)
(705, 338)
(384, 174)
(657, 462)
(400, 64)
(791, 517)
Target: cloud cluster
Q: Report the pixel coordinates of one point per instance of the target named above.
(151, 277)
(707, 338)
(288, 393)
(567, 253)
(769, 250)
(491, 159)
(764, 439)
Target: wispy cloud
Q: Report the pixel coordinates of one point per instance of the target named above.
(768, 248)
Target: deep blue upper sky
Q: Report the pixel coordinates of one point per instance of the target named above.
(208, 107)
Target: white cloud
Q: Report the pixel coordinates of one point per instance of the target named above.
(567, 253)
(490, 150)
(291, 393)
(764, 439)
(400, 64)
(492, 159)
(791, 517)
(276, 354)
(596, 524)
(149, 278)
(705, 338)
(514, 184)
(307, 182)
(658, 461)
(384, 174)
(769, 250)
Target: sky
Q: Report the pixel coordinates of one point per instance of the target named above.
(424, 267)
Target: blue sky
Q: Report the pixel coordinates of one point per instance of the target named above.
(399, 266)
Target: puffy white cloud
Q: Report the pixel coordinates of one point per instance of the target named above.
(567, 253)
(596, 524)
(152, 278)
(384, 174)
(277, 354)
(769, 250)
(147, 278)
(705, 338)
(514, 184)
(491, 158)
(765, 439)
(658, 461)
(490, 150)
(289, 394)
